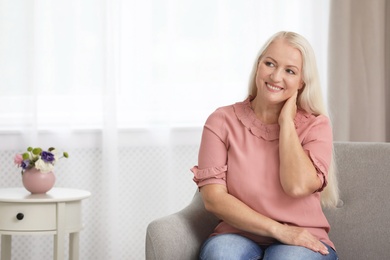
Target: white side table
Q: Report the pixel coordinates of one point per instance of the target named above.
(57, 212)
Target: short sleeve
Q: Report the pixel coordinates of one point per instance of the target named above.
(318, 144)
(214, 175)
(212, 157)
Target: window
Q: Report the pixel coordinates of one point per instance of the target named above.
(143, 62)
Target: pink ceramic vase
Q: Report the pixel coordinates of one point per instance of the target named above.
(37, 182)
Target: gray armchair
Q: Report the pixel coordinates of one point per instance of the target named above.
(360, 228)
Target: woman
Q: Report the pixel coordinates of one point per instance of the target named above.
(264, 162)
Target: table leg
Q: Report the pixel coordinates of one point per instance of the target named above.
(74, 239)
(59, 238)
(6, 246)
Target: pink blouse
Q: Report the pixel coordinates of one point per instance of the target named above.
(239, 151)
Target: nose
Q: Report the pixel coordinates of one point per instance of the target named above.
(276, 75)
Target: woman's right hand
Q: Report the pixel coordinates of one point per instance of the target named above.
(298, 236)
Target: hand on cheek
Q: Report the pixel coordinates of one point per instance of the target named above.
(289, 109)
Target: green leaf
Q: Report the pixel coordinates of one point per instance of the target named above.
(26, 156)
(66, 155)
(37, 151)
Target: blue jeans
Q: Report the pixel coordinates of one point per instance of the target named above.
(236, 247)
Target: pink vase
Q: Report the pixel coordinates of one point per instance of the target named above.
(37, 182)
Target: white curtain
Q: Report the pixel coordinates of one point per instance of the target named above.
(359, 69)
(125, 87)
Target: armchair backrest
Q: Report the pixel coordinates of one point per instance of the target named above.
(360, 228)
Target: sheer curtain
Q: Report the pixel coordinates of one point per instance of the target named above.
(359, 69)
(125, 87)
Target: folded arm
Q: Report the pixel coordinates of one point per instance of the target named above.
(237, 214)
(298, 176)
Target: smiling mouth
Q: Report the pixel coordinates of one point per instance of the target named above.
(272, 87)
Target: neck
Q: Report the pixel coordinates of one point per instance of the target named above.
(268, 114)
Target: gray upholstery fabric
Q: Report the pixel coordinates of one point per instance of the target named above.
(179, 236)
(359, 226)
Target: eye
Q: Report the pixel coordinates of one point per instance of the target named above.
(269, 64)
(289, 71)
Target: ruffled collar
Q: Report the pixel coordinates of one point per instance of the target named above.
(268, 132)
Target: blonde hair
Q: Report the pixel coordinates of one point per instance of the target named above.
(309, 97)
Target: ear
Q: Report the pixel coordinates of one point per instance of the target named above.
(301, 88)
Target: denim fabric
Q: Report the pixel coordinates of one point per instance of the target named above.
(236, 247)
(230, 247)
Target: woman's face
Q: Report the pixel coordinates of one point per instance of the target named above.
(279, 72)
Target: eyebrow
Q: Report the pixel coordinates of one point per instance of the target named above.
(289, 66)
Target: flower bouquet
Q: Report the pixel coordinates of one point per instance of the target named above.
(37, 168)
(43, 161)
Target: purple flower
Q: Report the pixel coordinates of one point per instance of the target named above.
(47, 156)
(25, 164)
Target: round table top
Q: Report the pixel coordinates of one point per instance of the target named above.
(53, 195)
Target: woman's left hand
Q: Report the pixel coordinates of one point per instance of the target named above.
(289, 109)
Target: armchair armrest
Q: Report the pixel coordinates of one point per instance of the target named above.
(180, 235)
